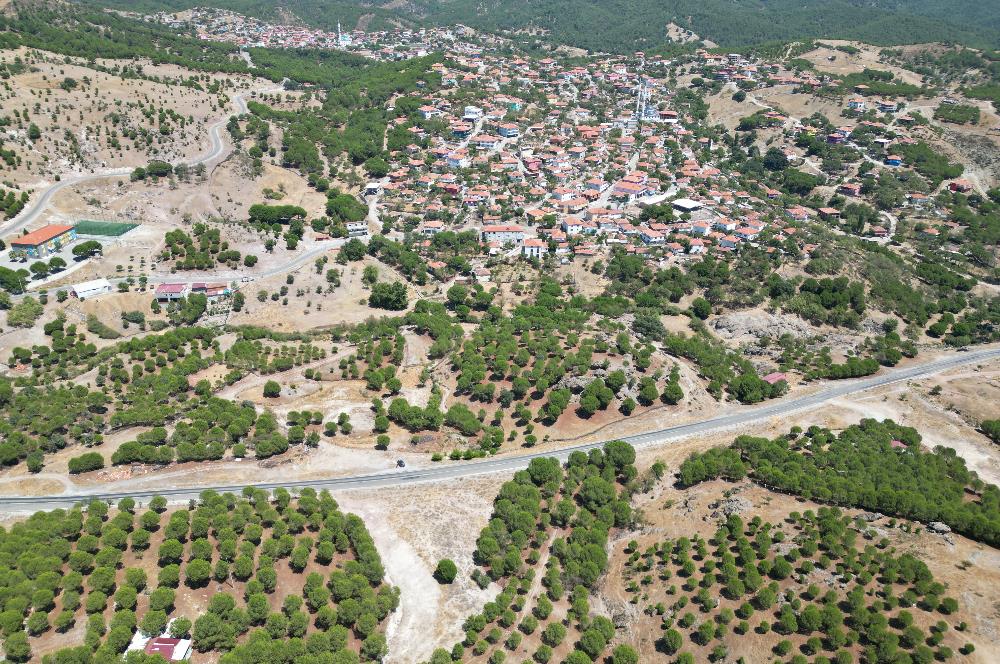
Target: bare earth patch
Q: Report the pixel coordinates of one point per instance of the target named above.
(413, 528)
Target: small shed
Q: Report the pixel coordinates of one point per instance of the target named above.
(774, 377)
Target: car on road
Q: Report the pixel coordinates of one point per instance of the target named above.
(400, 463)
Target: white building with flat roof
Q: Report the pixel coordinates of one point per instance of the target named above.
(89, 289)
(686, 205)
(356, 228)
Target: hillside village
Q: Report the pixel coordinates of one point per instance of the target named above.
(562, 160)
(545, 159)
(747, 299)
(600, 172)
(753, 250)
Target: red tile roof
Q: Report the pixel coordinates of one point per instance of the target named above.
(42, 235)
(171, 288)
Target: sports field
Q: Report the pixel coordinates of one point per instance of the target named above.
(103, 228)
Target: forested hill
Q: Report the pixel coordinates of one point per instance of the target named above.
(625, 25)
(319, 13)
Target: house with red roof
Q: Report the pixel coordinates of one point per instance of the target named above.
(168, 292)
(850, 189)
(172, 650)
(503, 233)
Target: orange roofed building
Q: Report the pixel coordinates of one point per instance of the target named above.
(46, 240)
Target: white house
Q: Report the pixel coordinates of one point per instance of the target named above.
(428, 112)
(432, 227)
(572, 226)
(533, 248)
(458, 159)
(169, 292)
(649, 236)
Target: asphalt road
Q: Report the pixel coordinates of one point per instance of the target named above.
(505, 464)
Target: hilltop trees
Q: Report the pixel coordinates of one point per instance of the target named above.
(928, 486)
(267, 215)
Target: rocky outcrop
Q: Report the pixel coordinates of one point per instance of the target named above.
(741, 324)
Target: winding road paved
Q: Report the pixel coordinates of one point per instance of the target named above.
(218, 149)
(449, 471)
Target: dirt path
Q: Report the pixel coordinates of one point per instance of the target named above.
(536, 583)
(54, 477)
(420, 594)
(414, 528)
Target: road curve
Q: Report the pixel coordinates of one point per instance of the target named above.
(30, 214)
(449, 471)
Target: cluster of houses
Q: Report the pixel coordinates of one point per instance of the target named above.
(223, 25)
(704, 224)
(542, 157)
(551, 163)
(529, 166)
